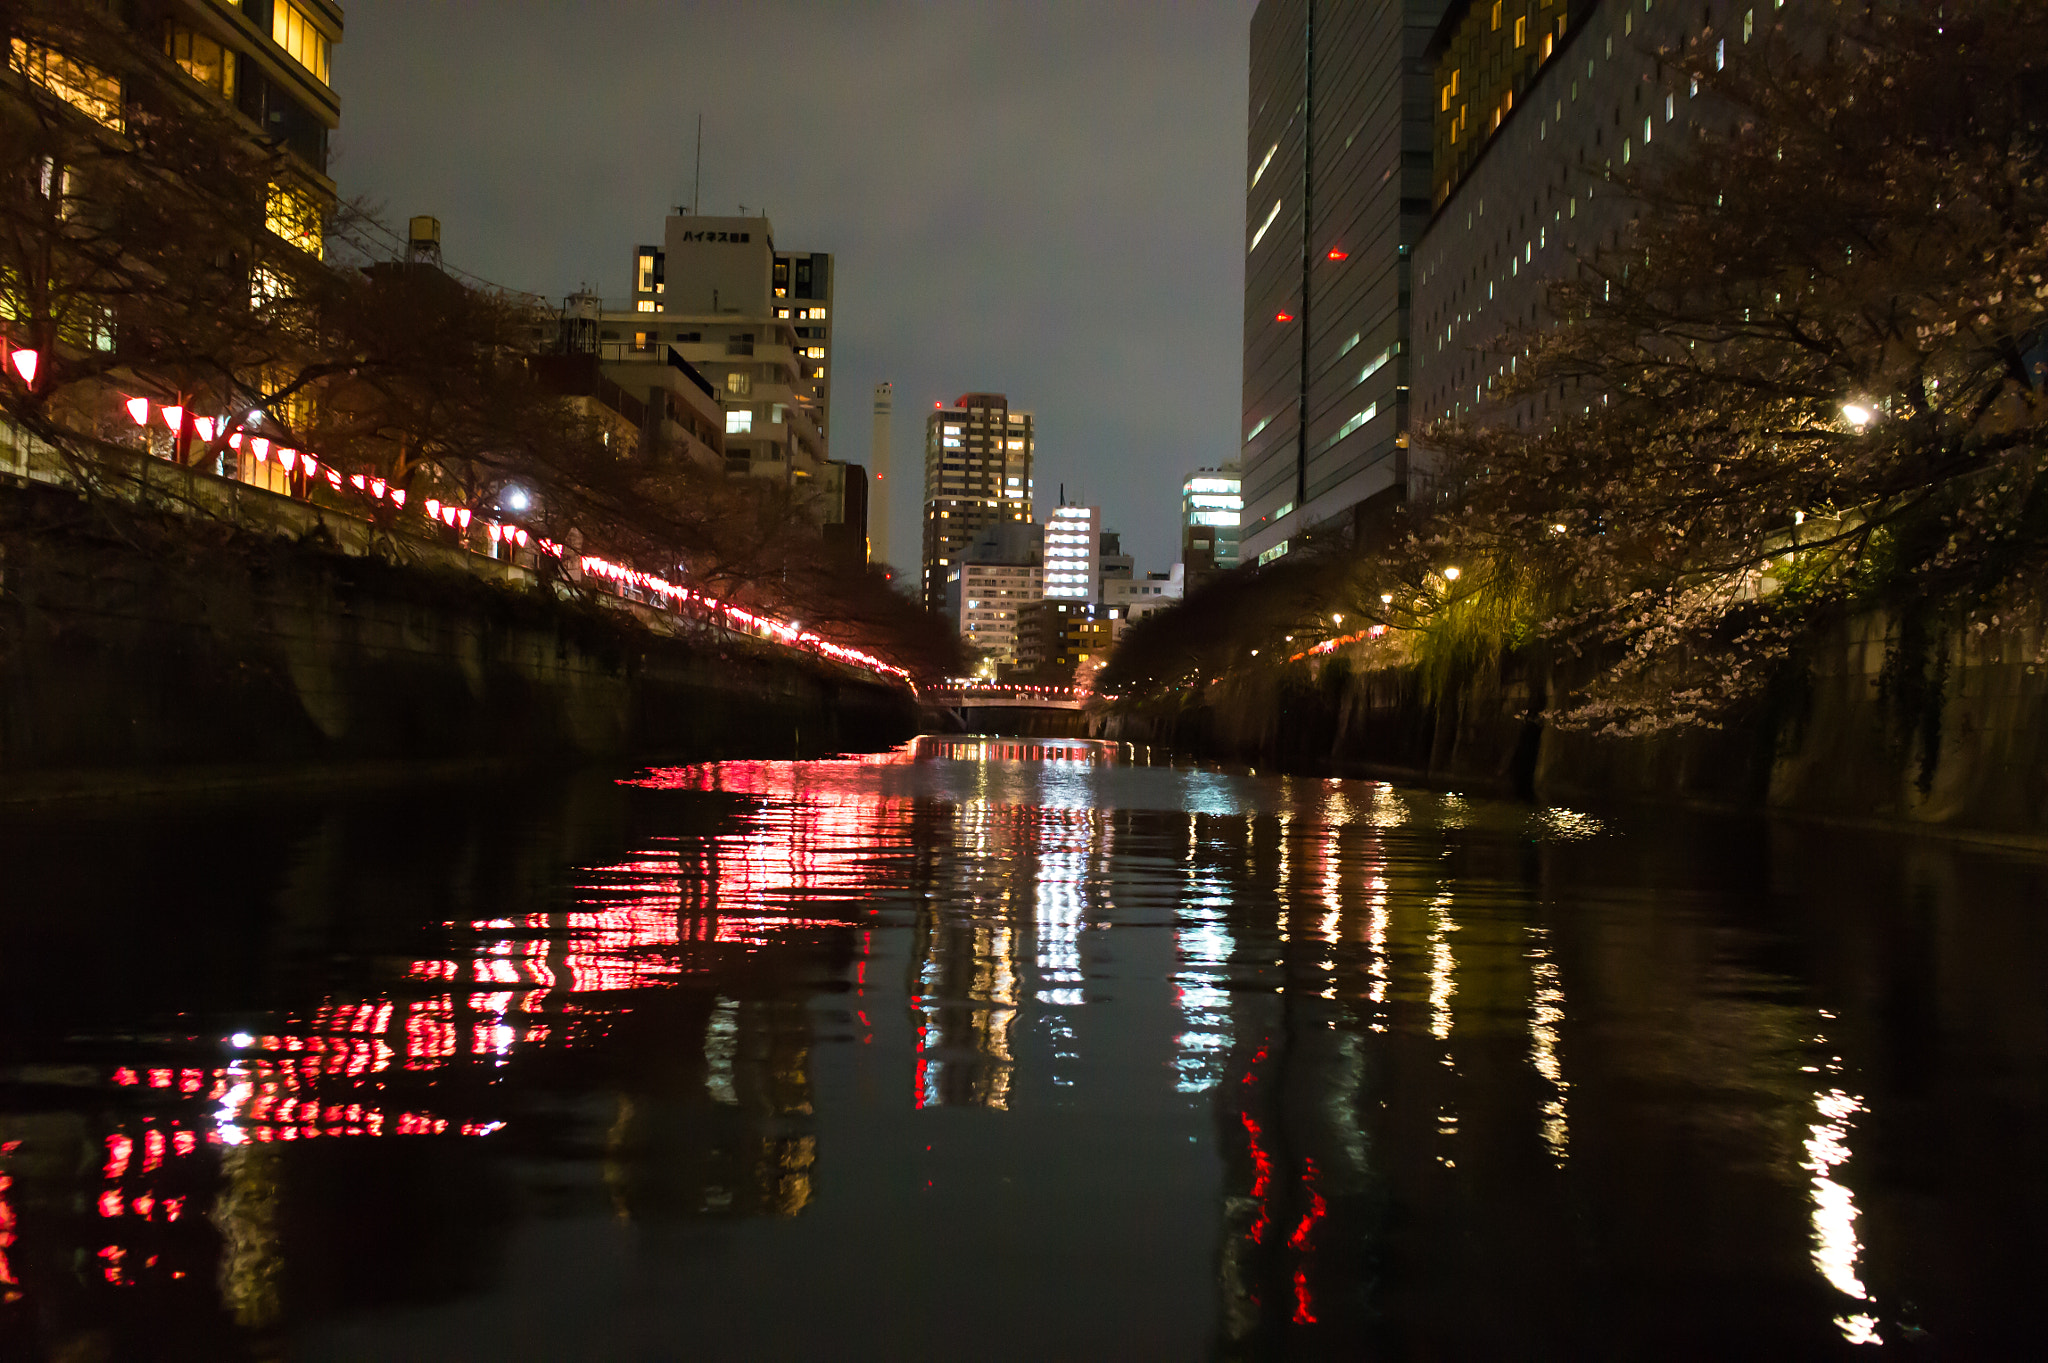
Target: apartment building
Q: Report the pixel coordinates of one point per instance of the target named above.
(977, 473)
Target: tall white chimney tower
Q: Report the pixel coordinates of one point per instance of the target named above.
(878, 468)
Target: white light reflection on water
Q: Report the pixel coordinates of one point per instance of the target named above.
(1566, 825)
(1546, 1010)
(1389, 810)
(1377, 966)
(1057, 926)
(1443, 969)
(1204, 945)
(1836, 1248)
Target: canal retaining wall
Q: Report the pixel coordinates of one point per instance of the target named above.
(141, 651)
(1957, 740)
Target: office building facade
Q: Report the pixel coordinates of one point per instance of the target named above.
(977, 473)
(1055, 638)
(1134, 598)
(1536, 104)
(1211, 511)
(1338, 191)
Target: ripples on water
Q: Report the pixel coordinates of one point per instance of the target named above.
(1009, 1048)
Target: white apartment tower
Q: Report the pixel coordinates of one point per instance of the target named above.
(1073, 554)
(977, 473)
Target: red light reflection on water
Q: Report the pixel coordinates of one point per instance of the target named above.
(359, 1068)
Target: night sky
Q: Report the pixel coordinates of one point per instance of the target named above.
(1041, 199)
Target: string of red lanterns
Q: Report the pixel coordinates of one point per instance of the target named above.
(459, 518)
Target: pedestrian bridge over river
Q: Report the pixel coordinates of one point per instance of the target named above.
(994, 708)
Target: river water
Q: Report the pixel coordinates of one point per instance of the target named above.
(1010, 1049)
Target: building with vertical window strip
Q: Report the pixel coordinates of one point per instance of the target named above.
(1337, 192)
(977, 473)
(1536, 104)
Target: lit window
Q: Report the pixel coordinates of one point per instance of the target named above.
(816, 352)
(1522, 31)
(1016, 445)
(1260, 235)
(265, 286)
(739, 423)
(1267, 160)
(294, 215)
(739, 383)
(91, 91)
(782, 314)
(203, 59)
(645, 305)
(647, 272)
(815, 314)
(295, 33)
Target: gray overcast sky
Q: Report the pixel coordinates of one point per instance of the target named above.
(1036, 198)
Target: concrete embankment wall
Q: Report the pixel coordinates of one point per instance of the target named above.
(1965, 747)
(139, 653)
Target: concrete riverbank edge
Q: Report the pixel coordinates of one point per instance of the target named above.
(1956, 745)
(157, 652)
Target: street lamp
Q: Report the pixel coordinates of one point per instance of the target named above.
(517, 500)
(1859, 416)
(1451, 574)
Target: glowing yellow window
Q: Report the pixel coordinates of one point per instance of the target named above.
(203, 59)
(1522, 31)
(294, 215)
(91, 91)
(295, 33)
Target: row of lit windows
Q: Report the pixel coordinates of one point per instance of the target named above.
(93, 92)
(302, 42)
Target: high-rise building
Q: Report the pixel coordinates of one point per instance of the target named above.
(1338, 191)
(1211, 507)
(1073, 554)
(977, 473)
(999, 573)
(878, 470)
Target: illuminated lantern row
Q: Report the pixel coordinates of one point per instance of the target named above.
(458, 518)
(674, 597)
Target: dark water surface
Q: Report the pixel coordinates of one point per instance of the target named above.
(1001, 1051)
